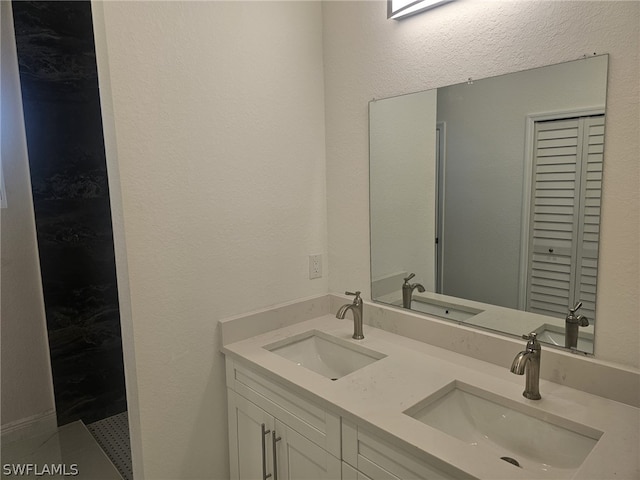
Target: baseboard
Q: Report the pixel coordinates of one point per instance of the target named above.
(41, 423)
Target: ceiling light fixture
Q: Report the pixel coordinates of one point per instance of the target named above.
(397, 9)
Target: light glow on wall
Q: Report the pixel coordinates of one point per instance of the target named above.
(397, 9)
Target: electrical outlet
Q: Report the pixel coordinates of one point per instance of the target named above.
(315, 266)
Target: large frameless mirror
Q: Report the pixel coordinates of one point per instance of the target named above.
(485, 200)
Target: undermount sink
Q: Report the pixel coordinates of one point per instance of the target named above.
(441, 309)
(547, 446)
(327, 355)
(554, 335)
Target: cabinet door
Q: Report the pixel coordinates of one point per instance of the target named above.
(312, 421)
(350, 473)
(300, 459)
(250, 428)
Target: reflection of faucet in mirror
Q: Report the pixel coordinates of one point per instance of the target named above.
(356, 307)
(407, 290)
(572, 322)
(529, 360)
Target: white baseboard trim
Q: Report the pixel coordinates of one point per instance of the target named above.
(41, 423)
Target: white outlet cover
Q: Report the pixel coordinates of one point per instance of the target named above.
(315, 266)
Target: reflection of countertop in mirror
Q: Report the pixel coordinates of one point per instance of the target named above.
(376, 396)
(491, 317)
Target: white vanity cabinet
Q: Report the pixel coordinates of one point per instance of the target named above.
(275, 434)
(373, 458)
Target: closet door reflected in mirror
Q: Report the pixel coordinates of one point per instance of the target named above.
(489, 191)
(564, 218)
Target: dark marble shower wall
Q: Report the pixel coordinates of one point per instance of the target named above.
(58, 75)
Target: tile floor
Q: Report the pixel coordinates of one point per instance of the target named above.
(112, 434)
(71, 448)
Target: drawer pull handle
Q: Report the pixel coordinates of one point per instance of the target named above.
(265, 432)
(275, 458)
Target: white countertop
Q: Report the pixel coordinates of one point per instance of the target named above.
(377, 395)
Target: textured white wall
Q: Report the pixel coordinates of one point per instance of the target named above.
(218, 109)
(27, 386)
(367, 56)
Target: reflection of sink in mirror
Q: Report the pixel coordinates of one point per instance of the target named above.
(546, 446)
(329, 356)
(442, 309)
(554, 335)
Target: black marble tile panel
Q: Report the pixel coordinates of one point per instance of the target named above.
(58, 76)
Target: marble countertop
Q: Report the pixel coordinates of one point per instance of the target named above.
(376, 396)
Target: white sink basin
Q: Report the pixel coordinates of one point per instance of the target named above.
(329, 356)
(546, 446)
(554, 335)
(441, 309)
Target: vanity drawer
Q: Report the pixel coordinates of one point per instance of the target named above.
(350, 473)
(379, 459)
(304, 416)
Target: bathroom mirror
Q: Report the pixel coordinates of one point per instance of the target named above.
(489, 193)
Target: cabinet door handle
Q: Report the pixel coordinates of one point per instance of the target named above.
(275, 458)
(265, 432)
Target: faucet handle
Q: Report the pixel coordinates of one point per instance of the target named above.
(532, 340)
(572, 318)
(357, 295)
(411, 275)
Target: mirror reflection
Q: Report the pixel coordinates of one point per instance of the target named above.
(485, 200)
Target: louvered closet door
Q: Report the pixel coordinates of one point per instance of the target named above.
(563, 247)
(589, 227)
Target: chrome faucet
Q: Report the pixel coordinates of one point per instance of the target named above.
(407, 290)
(356, 308)
(571, 324)
(529, 361)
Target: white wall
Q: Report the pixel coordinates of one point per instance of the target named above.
(219, 153)
(27, 386)
(403, 187)
(485, 168)
(367, 56)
